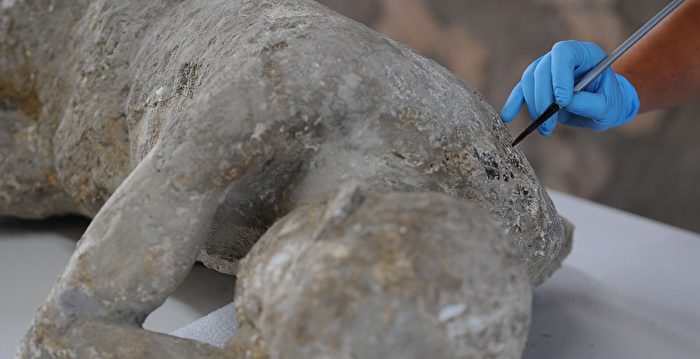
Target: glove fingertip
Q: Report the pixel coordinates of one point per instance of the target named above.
(546, 128)
(513, 104)
(506, 118)
(509, 111)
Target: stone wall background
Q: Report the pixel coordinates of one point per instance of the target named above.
(650, 166)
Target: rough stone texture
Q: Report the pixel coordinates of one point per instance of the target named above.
(383, 276)
(188, 127)
(649, 166)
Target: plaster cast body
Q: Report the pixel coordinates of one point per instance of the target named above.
(422, 275)
(187, 129)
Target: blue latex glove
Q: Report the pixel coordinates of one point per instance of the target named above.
(608, 101)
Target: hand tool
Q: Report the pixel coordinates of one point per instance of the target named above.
(598, 69)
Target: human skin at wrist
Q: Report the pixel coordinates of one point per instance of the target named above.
(664, 67)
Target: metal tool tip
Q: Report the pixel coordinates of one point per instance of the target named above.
(517, 140)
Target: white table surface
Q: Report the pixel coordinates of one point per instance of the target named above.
(33, 254)
(630, 288)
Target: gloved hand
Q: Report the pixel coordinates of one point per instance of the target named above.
(608, 101)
